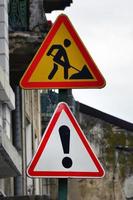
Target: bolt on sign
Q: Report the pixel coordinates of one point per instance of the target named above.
(64, 151)
(62, 61)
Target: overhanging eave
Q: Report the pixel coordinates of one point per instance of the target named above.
(10, 160)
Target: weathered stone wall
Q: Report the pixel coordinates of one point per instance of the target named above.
(117, 183)
(37, 16)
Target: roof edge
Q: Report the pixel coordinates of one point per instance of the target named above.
(106, 117)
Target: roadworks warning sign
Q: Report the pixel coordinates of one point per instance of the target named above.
(62, 61)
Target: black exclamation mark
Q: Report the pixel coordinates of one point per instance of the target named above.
(64, 132)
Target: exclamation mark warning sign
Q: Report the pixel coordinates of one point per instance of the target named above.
(64, 132)
(64, 150)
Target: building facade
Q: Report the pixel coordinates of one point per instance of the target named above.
(23, 26)
(10, 160)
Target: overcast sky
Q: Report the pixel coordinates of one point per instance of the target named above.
(106, 28)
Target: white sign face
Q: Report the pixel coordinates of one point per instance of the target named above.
(64, 151)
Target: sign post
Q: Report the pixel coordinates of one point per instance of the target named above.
(62, 188)
(66, 96)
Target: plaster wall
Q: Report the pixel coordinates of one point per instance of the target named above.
(117, 183)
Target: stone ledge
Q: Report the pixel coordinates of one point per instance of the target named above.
(6, 92)
(3, 14)
(3, 31)
(11, 163)
(23, 43)
(32, 197)
(3, 3)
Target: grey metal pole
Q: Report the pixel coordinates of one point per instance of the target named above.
(65, 95)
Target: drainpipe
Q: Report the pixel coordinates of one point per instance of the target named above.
(24, 177)
(33, 139)
(17, 140)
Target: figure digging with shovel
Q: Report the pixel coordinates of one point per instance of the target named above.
(61, 58)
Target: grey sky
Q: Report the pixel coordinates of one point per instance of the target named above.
(106, 28)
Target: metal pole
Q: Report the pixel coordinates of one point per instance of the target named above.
(65, 95)
(62, 189)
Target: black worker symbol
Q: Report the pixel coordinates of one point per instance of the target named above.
(61, 59)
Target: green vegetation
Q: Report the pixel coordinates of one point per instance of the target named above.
(113, 139)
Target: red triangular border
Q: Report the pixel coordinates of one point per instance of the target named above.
(98, 83)
(43, 143)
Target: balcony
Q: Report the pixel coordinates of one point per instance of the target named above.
(51, 5)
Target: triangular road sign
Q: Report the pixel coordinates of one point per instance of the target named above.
(64, 151)
(62, 61)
